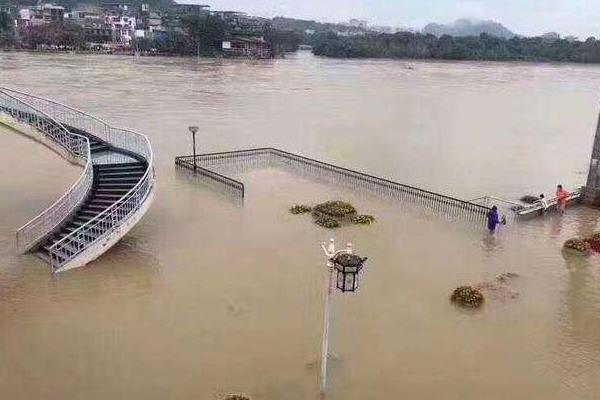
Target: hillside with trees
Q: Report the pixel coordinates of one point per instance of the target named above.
(469, 27)
(407, 45)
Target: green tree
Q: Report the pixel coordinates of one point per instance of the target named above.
(206, 31)
(7, 34)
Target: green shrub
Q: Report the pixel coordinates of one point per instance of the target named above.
(363, 219)
(578, 245)
(467, 296)
(300, 209)
(326, 221)
(336, 208)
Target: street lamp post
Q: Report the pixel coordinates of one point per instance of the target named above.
(349, 270)
(193, 130)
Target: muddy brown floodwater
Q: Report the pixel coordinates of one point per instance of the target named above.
(207, 297)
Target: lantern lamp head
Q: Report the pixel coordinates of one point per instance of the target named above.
(349, 270)
(193, 129)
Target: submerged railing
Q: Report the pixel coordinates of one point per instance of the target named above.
(105, 223)
(77, 146)
(513, 209)
(271, 157)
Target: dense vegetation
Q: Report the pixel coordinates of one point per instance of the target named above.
(205, 32)
(407, 45)
(7, 36)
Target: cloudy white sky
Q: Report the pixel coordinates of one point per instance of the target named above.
(527, 17)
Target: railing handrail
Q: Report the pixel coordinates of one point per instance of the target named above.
(292, 155)
(112, 207)
(117, 211)
(58, 103)
(72, 188)
(205, 171)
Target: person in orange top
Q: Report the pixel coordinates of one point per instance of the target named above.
(562, 197)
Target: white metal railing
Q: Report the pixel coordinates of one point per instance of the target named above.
(70, 246)
(512, 208)
(75, 145)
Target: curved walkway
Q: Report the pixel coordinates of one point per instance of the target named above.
(114, 191)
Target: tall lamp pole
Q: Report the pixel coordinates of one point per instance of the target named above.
(193, 130)
(348, 267)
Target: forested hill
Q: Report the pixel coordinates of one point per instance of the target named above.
(469, 27)
(407, 45)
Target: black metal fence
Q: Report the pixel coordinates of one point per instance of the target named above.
(271, 157)
(188, 163)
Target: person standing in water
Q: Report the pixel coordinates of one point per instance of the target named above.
(562, 197)
(493, 219)
(543, 203)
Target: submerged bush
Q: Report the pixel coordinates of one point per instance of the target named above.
(326, 221)
(579, 245)
(333, 214)
(336, 208)
(237, 397)
(467, 296)
(363, 219)
(300, 209)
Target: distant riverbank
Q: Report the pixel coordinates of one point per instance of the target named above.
(407, 45)
(130, 53)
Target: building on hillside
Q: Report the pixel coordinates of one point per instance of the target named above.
(248, 47)
(24, 18)
(171, 18)
(82, 14)
(240, 24)
(46, 14)
(150, 21)
(9, 9)
(189, 9)
(123, 28)
(117, 8)
(98, 34)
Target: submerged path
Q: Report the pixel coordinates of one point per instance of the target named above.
(271, 157)
(114, 191)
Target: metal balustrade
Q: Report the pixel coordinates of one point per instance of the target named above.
(275, 157)
(60, 123)
(30, 234)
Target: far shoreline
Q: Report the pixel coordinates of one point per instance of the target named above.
(346, 59)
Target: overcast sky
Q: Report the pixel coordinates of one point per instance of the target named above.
(527, 17)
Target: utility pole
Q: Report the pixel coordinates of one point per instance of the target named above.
(193, 130)
(592, 188)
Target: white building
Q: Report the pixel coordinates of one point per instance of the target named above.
(123, 28)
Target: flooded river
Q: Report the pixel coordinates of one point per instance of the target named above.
(206, 297)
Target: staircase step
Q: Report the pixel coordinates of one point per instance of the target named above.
(139, 173)
(100, 149)
(116, 166)
(133, 169)
(110, 185)
(118, 179)
(96, 206)
(105, 198)
(87, 213)
(67, 231)
(109, 192)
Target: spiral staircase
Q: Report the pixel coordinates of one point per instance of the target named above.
(113, 192)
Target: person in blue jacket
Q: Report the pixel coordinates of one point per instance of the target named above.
(493, 219)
